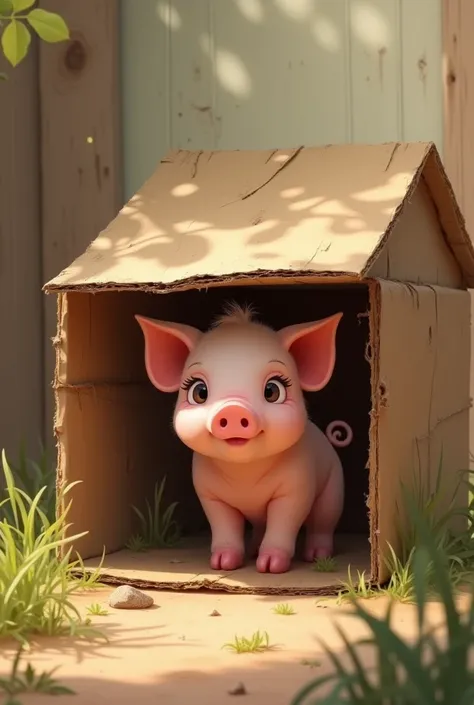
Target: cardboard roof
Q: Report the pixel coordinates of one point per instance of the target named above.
(208, 216)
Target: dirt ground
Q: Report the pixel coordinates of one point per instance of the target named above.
(172, 653)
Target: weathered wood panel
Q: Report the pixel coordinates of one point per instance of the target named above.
(375, 71)
(145, 79)
(458, 83)
(421, 57)
(21, 347)
(80, 160)
(274, 73)
(458, 74)
(281, 72)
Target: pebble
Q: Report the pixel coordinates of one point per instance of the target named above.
(239, 689)
(127, 597)
(215, 613)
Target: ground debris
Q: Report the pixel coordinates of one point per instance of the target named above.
(239, 689)
(127, 597)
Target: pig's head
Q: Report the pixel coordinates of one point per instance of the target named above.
(240, 383)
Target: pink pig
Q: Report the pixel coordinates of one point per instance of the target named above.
(257, 456)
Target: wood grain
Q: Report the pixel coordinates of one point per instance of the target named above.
(81, 153)
(458, 151)
(21, 351)
(458, 80)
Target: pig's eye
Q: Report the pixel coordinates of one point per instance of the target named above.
(275, 390)
(197, 392)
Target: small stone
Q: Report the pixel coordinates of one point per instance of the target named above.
(127, 597)
(239, 689)
(215, 613)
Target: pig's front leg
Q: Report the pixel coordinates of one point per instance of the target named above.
(285, 516)
(227, 527)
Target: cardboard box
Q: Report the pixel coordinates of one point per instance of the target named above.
(373, 231)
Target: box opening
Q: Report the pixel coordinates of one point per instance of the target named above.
(120, 439)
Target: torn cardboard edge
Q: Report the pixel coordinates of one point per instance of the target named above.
(260, 277)
(378, 568)
(152, 570)
(222, 587)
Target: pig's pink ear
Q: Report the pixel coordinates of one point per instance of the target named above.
(313, 347)
(167, 346)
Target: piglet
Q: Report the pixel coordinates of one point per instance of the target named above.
(241, 409)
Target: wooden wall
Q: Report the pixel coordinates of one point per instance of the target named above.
(81, 169)
(228, 74)
(21, 315)
(458, 114)
(60, 183)
(197, 73)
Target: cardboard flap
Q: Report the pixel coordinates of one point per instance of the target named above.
(210, 216)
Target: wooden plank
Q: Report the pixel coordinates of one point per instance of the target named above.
(458, 143)
(145, 52)
(421, 55)
(281, 73)
(458, 81)
(376, 70)
(194, 123)
(81, 155)
(21, 352)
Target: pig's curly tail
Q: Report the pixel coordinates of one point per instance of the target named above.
(334, 433)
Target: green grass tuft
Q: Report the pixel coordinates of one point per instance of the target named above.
(284, 608)
(36, 582)
(29, 681)
(419, 672)
(158, 529)
(325, 565)
(31, 477)
(258, 642)
(97, 610)
(354, 588)
(438, 509)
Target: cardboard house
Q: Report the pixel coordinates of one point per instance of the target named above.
(370, 230)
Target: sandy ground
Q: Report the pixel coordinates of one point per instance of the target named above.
(172, 653)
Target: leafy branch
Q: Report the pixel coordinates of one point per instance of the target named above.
(18, 17)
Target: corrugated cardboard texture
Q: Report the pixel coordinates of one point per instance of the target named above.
(424, 402)
(418, 232)
(114, 429)
(187, 569)
(206, 216)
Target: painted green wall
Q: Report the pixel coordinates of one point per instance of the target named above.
(276, 73)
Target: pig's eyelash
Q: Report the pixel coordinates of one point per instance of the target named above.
(188, 383)
(285, 381)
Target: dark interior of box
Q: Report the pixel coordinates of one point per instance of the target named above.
(122, 432)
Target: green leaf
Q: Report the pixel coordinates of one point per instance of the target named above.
(6, 7)
(16, 40)
(49, 26)
(19, 5)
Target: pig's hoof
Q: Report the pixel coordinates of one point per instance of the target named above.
(273, 561)
(227, 559)
(318, 547)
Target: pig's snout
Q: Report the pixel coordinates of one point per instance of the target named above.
(234, 420)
